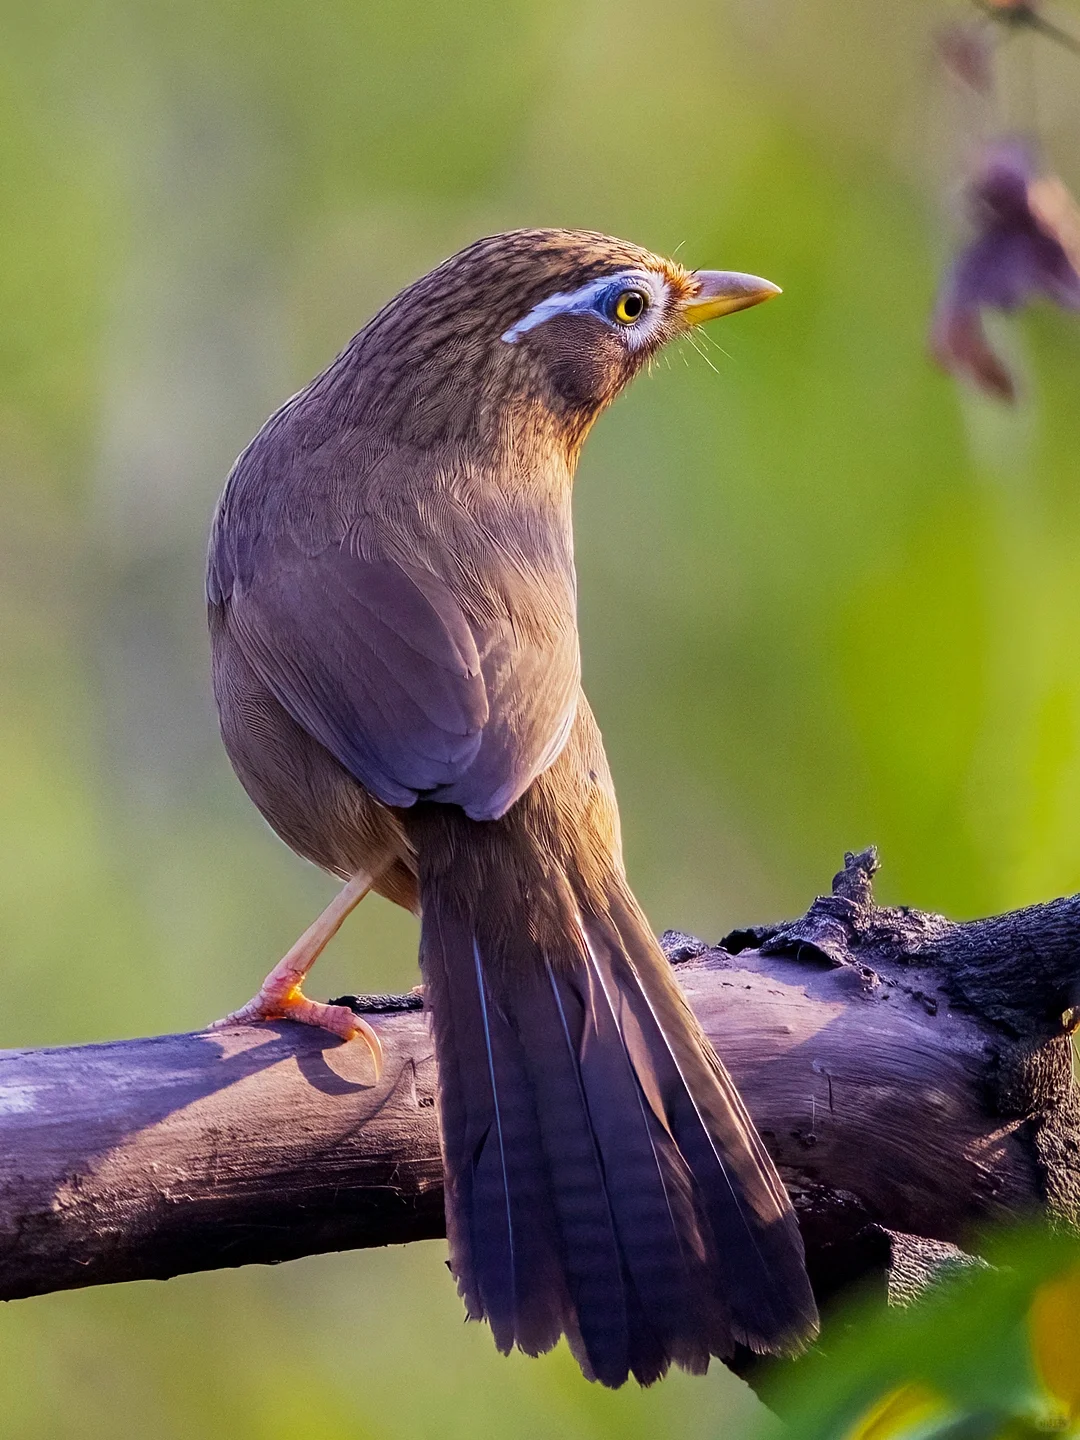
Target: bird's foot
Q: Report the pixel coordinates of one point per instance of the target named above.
(274, 1003)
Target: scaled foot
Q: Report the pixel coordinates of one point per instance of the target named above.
(292, 1004)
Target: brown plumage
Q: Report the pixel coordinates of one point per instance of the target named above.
(393, 619)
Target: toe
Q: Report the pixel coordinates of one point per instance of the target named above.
(339, 1020)
(293, 1005)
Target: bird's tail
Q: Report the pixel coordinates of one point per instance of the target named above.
(603, 1178)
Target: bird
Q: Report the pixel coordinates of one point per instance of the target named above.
(392, 607)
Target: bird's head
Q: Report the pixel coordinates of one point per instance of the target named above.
(540, 328)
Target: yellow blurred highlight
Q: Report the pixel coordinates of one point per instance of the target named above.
(1054, 1323)
(899, 1414)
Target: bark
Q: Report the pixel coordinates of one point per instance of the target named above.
(911, 1076)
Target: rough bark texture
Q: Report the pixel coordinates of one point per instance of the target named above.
(911, 1076)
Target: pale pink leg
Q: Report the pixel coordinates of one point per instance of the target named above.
(280, 996)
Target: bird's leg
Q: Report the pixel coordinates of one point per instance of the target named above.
(280, 996)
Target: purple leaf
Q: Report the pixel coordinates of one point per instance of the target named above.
(1025, 238)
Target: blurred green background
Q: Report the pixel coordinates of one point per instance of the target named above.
(826, 599)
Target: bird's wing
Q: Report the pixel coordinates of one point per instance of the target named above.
(381, 663)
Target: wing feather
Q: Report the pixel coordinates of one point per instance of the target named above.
(417, 682)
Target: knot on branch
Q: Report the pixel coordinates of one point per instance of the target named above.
(1017, 976)
(847, 927)
(1020, 970)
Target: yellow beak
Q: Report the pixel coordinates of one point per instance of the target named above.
(722, 292)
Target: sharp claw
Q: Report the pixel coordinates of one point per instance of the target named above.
(366, 1033)
(337, 1019)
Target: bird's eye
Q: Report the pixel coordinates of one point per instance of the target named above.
(629, 306)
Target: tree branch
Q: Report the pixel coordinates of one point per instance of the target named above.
(911, 1076)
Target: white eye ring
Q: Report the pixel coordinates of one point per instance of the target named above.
(586, 298)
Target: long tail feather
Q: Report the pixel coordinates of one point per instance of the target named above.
(649, 1192)
(759, 1258)
(603, 1179)
(501, 1222)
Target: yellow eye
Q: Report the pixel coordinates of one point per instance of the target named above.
(630, 306)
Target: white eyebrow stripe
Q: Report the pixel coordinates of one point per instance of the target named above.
(577, 300)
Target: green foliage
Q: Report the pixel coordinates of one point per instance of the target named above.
(825, 599)
(990, 1353)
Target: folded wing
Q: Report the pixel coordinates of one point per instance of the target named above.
(412, 689)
